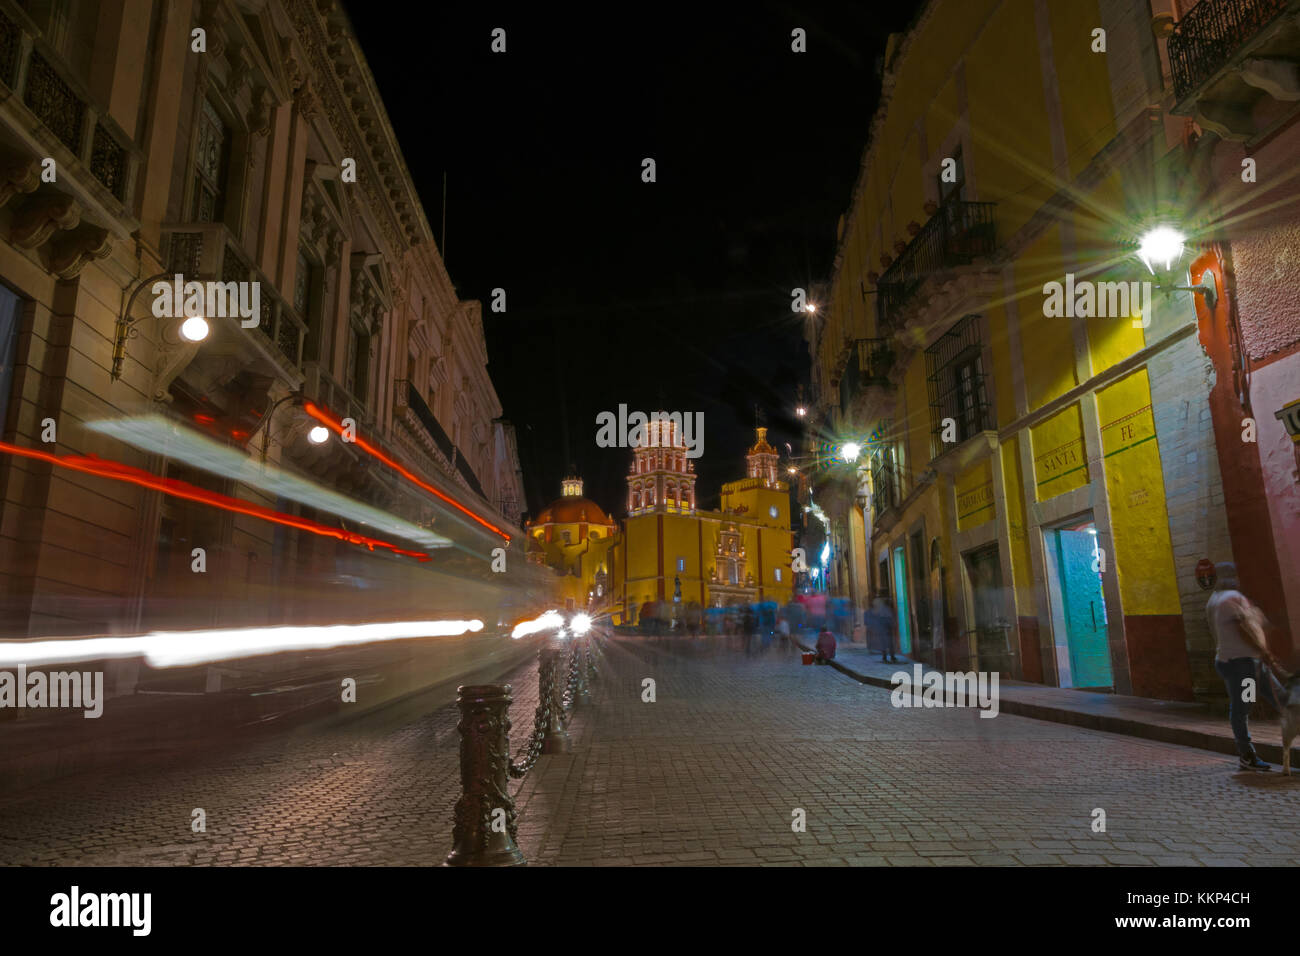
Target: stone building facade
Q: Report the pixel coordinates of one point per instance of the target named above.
(227, 142)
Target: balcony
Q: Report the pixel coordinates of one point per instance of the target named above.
(208, 252)
(453, 457)
(866, 392)
(35, 80)
(957, 235)
(1236, 65)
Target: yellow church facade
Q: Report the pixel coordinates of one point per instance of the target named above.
(671, 552)
(574, 537)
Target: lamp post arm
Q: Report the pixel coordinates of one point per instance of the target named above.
(125, 324)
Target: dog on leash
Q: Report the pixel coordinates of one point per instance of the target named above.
(1287, 694)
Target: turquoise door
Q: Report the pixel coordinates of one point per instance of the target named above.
(1084, 609)
(904, 613)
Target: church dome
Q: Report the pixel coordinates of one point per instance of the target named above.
(571, 509)
(761, 447)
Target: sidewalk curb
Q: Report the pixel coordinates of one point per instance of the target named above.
(1115, 725)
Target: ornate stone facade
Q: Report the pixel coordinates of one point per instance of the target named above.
(266, 157)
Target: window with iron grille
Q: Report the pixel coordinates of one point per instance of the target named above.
(956, 381)
(884, 480)
(210, 162)
(306, 302)
(357, 379)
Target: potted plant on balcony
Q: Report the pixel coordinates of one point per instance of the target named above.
(913, 228)
(900, 246)
(931, 207)
(886, 260)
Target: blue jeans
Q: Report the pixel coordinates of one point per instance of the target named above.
(1234, 674)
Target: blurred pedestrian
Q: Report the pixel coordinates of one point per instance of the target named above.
(1237, 626)
(884, 628)
(825, 647)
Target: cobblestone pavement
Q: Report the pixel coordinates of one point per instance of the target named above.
(379, 791)
(711, 772)
(707, 774)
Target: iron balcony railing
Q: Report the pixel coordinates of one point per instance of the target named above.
(956, 235)
(424, 413)
(1212, 31)
(208, 251)
(430, 422)
(33, 71)
(869, 363)
(325, 390)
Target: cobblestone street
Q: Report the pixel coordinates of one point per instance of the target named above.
(710, 773)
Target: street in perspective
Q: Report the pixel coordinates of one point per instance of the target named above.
(844, 435)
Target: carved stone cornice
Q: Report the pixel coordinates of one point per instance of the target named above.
(348, 96)
(18, 176)
(40, 216)
(74, 249)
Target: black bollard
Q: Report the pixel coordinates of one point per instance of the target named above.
(485, 828)
(550, 686)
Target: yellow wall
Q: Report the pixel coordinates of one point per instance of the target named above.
(1060, 457)
(1140, 524)
(1022, 568)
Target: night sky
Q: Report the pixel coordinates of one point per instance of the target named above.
(673, 294)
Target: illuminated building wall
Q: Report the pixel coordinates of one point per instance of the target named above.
(1074, 439)
(264, 157)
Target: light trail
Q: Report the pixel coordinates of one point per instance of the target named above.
(187, 648)
(154, 433)
(549, 620)
(336, 425)
(115, 470)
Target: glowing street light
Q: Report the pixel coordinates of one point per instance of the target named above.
(194, 329)
(580, 624)
(812, 307)
(849, 451)
(801, 411)
(1162, 245)
(318, 435)
(1160, 249)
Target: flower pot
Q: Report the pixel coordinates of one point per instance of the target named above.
(808, 657)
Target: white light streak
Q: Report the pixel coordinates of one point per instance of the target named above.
(186, 648)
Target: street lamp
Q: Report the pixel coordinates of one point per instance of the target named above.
(193, 330)
(1161, 250)
(849, 451)
(317, 436)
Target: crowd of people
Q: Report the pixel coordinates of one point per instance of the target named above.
(826, 621)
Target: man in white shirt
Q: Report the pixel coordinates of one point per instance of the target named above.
(1237, 626)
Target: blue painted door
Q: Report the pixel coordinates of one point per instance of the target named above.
(1084, 608)
(904, 612)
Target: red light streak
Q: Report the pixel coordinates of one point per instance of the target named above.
(335, 424)
(117, 471)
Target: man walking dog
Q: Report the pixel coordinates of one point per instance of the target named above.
(1237, 626)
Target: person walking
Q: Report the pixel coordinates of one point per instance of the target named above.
(883, 627)
(1237, 627)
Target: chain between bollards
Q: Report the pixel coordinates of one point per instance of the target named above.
(485, 830)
